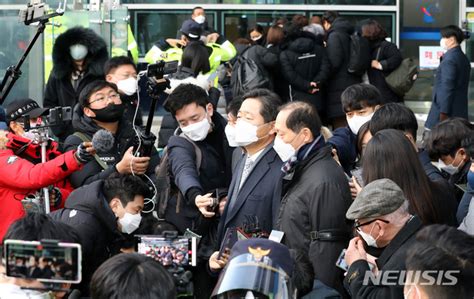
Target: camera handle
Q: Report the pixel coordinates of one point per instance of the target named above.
(13, 73)
(44, 144)
(145, 141)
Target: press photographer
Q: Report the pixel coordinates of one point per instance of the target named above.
(23, 173)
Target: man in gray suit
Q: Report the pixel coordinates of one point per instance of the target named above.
(254, 197)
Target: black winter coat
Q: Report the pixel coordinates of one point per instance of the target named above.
(316, 199)
(390, 58)
(93, 171)
(305, 61)
(280, 85)
(338, 49)
(59, 90)
(215, 172)
(89, 213)
(392, 259)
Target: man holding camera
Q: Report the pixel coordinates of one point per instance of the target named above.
(20, 159)
(100, 108)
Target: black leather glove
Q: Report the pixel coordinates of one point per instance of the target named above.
(83, 155)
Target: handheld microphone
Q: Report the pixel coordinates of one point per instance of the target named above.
(103, 141)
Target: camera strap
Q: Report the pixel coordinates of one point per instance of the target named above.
(85, 138)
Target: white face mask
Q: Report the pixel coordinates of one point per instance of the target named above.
(449, 168)
(284, 150)
(245, 133)
(78, 51)
(371, 241)
(197, 131)
(128, 86)
(230, 133)
(130, 222)
(358, 121)
(442, 43)
(200, 19)
(257, 38)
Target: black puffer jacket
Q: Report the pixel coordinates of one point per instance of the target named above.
(390, 58)
(338, 49)
(89, 213)
(303, 62)
(59, 89)
(93, 171)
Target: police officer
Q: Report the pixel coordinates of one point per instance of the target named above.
(220, 49)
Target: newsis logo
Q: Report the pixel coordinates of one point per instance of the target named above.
(409, 277)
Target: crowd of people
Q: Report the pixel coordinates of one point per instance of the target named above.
(314, 183)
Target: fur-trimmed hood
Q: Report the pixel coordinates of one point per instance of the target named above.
(96, 56)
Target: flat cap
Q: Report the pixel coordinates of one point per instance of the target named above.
(380, 197)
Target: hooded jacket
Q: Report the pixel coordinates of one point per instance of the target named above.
(59, 89)
(338, 50)
(305, 61)
(123, 140)
(89, 213)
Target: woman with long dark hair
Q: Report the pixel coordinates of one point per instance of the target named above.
(194, 67)
(389, 154)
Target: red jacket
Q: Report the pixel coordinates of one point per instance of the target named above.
(19, 177)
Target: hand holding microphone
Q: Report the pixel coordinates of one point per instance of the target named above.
(102, 142)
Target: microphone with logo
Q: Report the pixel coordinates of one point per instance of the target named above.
(103, 141)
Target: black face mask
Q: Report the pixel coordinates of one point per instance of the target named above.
(109, 114)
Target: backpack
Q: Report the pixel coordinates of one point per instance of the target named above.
(165, 189)
(359, 55)
(247, 75)
(402, 78)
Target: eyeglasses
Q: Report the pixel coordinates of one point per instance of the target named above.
(101, 99)
(358, 225)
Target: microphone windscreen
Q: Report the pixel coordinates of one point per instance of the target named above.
(103, 141)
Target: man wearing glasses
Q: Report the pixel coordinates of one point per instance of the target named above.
(382, 220)
(100, 107)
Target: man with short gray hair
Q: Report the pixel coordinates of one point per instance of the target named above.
(382, 220)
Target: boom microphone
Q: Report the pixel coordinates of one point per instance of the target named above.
(103, 141)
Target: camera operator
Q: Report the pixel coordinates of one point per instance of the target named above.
(100, 107)
(20, 160)
(35, 227)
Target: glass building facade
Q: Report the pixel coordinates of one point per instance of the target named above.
(411, 24)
